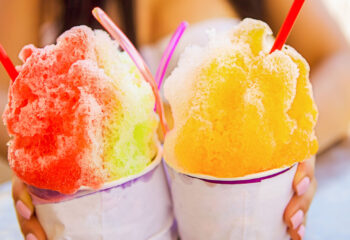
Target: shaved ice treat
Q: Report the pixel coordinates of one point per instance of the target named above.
(237, 109)
(79, 114)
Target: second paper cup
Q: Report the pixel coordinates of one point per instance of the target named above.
(245, 208)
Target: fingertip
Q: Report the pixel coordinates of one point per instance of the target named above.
(20, 192)
(298, 203)
(31, 236)
(23, 210)
(301, 232)
(291, 209)
(303, 185)
(305, 169)
(297, 219)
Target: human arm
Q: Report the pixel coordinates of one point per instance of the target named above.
(19, 25)
(320, 40)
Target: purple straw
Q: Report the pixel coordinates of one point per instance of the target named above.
(168, 53)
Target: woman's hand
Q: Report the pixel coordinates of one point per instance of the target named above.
(304, 185)
(27, 220)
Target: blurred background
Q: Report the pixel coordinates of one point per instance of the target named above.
(40, 22)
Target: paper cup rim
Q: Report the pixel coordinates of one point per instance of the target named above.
(84, 191)
(250, 178)
(150, 167)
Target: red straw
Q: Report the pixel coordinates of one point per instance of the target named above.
(287, 25)
(7, 63)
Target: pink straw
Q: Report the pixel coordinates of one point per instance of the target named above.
(125, 43)
(168, 53)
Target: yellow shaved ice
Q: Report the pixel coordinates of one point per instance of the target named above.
(130, 131)
(237, 109)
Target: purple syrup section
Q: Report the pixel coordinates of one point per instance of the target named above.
(42, 196)
(245, 181)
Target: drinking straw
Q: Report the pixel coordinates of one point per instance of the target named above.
(7, 63)
(287, 25)
(125, 43)
(168, 53)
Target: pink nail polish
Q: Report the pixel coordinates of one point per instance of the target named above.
(23, 210)
(303, 185)
(31, 236)
(301, 232)
(297, 219)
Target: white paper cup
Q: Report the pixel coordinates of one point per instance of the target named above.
(247, 208)
(136, 207)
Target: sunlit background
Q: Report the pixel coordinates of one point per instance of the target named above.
(340, 10)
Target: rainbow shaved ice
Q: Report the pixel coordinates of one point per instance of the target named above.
(237, 109)
(79, 114)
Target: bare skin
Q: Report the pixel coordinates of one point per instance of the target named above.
(158, 18)
(24, 29)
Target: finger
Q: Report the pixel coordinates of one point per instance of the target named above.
(31, 228)
(21, 198)
(298, 207)
(304, 175)
(297, 234)
(28, 222)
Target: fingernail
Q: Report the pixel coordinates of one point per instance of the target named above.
(297, 219)
(301, 232)
(303, 185)
(31, 236)
(23, 210)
